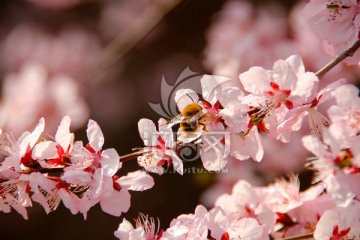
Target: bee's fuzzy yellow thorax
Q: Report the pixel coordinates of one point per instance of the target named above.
(191, 110)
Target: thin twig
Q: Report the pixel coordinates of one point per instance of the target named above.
(124, 158)
(348, 53)
(131, 36)
(298, 237)
(131, 156)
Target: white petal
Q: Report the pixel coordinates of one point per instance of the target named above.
(117, 203)
(63, 135)
(136, 181)
(247, 229)
(213, 159)
(30, 139)
(147, 130)
(123, 230)
(70, 200)
(347, 95)
(95, 135)
(35, 134)
(45, 150)
(218, 222)
(212, 85)
(110, 161)
(248, 146)
(184, 97)
(177, 163)
(256, 80)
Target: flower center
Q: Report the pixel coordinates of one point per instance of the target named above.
(337, 10)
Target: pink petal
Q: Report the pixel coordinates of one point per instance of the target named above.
(184, 97)
(117, 203)
(146, 130)
(136, 181)
(110, 162)
(63, 135)
(45, 150)
(256, 80)
(95, 135)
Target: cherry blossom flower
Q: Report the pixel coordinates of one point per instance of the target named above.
(244, 202)
(307, 43)
(285, 195)
(347, 111)
(336, 163)
(14, 194)
(146, 229)
(159, 147)
(233, 119)
(188, 226)
(117, 200)
(50, 191)
(339, 223)
(336, 21)
(93, 167)
(243, 228)
(56, 153)
(281, 86)
(317, 121)
(19, 153)
(303, 219)
(217, 90)
(92, 159)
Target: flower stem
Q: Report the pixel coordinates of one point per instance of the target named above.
(130, 156)
(124, 158)
(298, 237)
(348, 53)
(130, 37)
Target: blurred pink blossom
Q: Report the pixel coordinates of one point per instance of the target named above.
(65, 51)
(32, 93)
(243, 37)
(116, 16)
(57, 4)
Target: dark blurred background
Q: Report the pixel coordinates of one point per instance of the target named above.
(63, 39)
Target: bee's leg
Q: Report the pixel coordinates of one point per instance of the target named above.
(201, 121)
(203, 125)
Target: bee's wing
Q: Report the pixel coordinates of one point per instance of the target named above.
(175, 120)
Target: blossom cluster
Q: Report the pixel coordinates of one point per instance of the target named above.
(278, 210)
(337, 22)
(274, 106)
(64, 170)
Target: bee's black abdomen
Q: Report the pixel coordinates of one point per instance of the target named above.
(188, 127)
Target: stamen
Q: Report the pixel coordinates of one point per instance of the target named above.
(317, 123)
(151, 228)
(52, 198)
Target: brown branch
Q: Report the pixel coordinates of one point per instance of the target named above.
(298, 237)
(348, 53)
(131, 36)
(131, 156)
(124, 158)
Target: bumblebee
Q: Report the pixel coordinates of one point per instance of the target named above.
(192, 116)
(189, 119)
